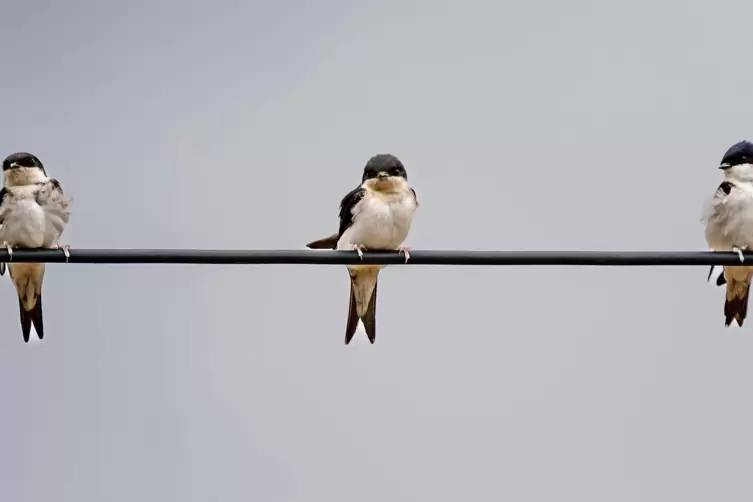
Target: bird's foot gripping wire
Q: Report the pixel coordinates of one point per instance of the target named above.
(65, 248)
(10, 250)
(739, 251)
(405, 251)
(358, 248)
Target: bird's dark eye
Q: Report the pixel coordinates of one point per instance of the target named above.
(396, 171)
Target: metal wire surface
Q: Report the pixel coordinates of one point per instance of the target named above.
(417, 257)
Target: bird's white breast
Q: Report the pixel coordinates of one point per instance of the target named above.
(33, 215)
(729, 219)
(380, 220)
(25, 224)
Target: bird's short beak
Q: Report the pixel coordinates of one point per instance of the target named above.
(383, 174)
(724, 166)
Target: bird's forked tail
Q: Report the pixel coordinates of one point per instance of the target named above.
(736, 301)
(363, 295)
(27, 278)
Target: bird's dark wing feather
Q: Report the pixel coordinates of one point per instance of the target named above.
(352, 324)
(55, 183)
(329, 242)
(721, 280)
(346, 220)
(369, 318)
(3, 193)
(346, 209)
(724, 189)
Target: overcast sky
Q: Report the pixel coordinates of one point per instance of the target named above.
(523, 125)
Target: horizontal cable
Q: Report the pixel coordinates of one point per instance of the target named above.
(327, 257)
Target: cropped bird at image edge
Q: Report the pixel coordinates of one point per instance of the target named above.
(34, 212)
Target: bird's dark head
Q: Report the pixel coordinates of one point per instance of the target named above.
(385, 173)
(737, 162)
(23, 168)
(738, 154)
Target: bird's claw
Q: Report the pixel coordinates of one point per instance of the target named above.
(405, 251)
(359, 249)
(65, 248)
(739, 252)
(10, 250)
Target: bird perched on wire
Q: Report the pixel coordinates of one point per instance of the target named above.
(33, 214)
(375, 216)
(729, 226)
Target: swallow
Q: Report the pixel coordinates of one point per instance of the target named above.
(374, 216)
(729, 227)
(34, 211)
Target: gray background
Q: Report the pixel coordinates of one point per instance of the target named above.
(523, 125)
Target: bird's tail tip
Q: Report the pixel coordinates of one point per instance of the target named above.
(370, 331)
(329, 242)
(32, 317)
(736, 302)
(368, 320)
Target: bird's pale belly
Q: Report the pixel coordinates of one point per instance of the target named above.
(26, 226)
(381, 229)
(730, 223)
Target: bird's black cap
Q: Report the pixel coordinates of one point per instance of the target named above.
(739, 153)
(384, 163)
(22, 159)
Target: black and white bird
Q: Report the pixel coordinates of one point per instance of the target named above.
(729, 226)
(375, 216)
(33, 214)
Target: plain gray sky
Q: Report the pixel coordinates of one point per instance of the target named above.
(523, 125)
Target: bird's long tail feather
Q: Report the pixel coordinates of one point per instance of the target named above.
(368, 318)
(736, 301)
(31, 317)
(27, 279)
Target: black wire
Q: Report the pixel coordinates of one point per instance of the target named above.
(318, 257)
